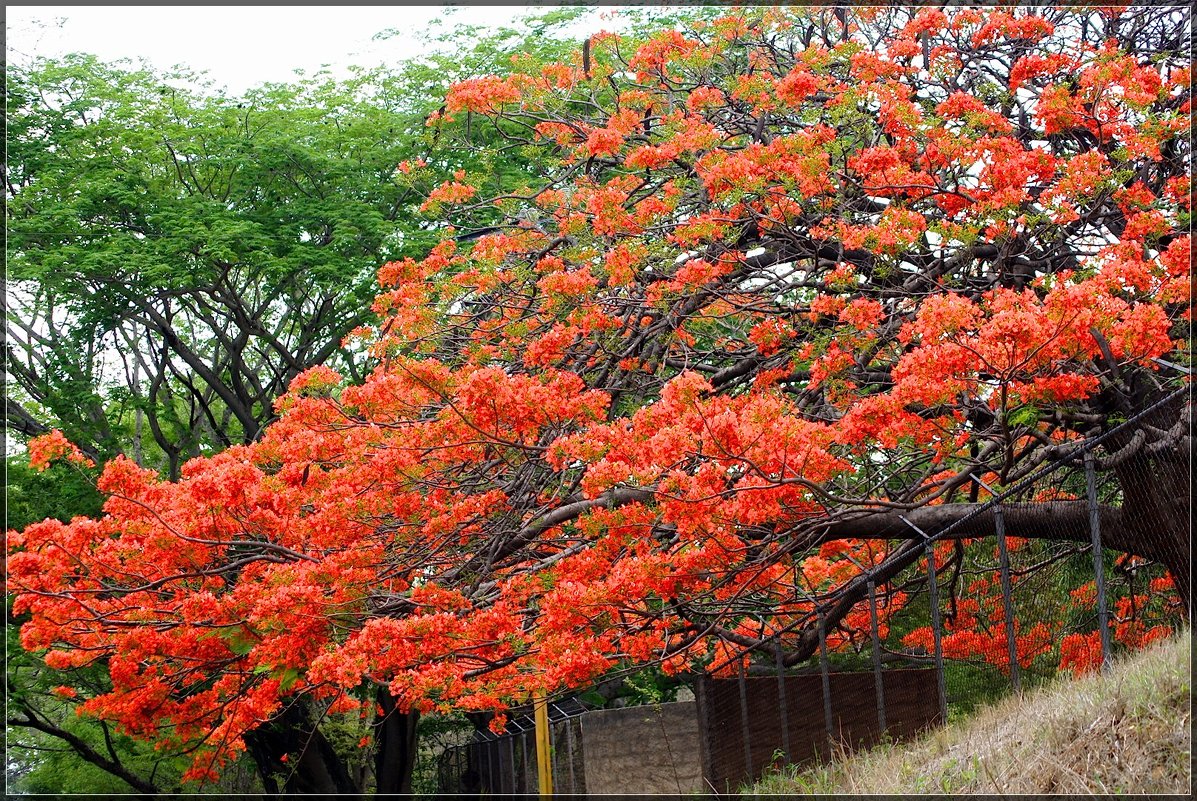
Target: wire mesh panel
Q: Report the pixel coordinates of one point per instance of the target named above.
(1015, 616)
(727, 764)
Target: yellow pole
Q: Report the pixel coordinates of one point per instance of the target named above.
(544, 767)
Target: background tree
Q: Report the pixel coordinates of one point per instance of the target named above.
(177, 255)
(781, 277)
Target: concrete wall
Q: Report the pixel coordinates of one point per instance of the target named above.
(642, 750)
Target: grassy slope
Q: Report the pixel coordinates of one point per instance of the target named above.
(1125, 732)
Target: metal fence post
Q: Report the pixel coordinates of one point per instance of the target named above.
(744, 721)
(555, 758)
(511, 761)
(490, 765)
(781, 699)
(823, 669)
(1099, 569)
(937, 632)
(999, 523)
(524, 766)
(569, 746)
(936, 619)
(876, 655)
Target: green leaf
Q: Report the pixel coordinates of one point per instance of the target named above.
(1025, 415)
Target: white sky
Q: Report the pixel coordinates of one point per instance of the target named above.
(239, 47)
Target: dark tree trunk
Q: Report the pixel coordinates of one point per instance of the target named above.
(395, 759)
(293, 749)
(1155, 479)
(1157, 502)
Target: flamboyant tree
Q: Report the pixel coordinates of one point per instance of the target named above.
(789, 275)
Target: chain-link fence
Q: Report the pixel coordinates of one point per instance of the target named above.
(1100, 566)
(1057, 569)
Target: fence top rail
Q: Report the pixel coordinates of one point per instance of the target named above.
(559, 711)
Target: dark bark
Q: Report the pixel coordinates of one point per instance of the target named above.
(240, 405)
(292, 748)
(1153, 523)
(395, 759)
(1060, 521)
(1153, 466)
(1157, 497)
(18, 419)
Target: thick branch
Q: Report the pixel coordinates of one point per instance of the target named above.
(1062, 521)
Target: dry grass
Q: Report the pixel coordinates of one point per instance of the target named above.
(1124, 732)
